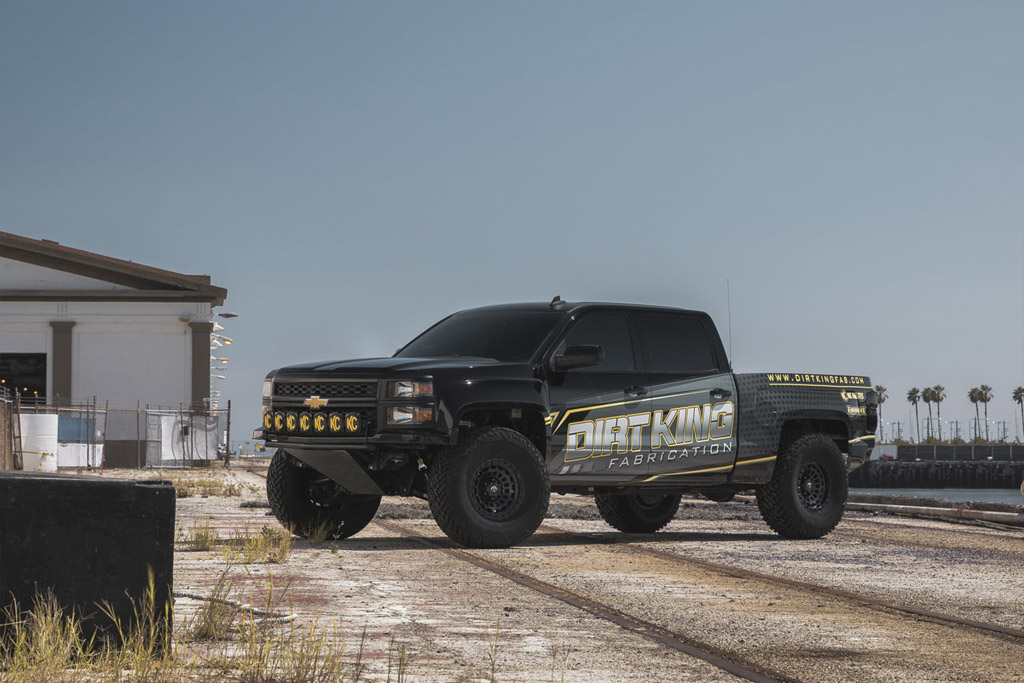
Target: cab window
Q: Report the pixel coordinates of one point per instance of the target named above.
(611, 332)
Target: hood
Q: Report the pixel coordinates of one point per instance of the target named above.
(387, 367)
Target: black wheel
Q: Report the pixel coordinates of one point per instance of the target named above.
(310, 504)
(807, 493)
(489, 491)
(642, 514)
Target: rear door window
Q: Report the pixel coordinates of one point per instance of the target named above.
(676, 344)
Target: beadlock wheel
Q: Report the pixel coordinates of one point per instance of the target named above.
(813, 487)
(497, 490)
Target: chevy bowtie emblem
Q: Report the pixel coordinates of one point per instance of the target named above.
(315, 402)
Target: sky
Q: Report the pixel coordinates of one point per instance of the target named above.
(844, 182)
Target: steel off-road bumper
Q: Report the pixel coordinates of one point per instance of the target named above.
(347, 467)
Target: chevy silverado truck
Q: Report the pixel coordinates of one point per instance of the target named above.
(491, 410)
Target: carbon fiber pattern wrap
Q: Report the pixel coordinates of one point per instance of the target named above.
(836, 404)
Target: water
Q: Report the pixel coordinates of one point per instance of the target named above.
(954, 495)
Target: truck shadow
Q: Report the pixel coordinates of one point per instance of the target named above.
(616, 538)
(364, 542)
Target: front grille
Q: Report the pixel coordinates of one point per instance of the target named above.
(327, 389)
(337, 400)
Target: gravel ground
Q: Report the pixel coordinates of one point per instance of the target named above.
(453, 618)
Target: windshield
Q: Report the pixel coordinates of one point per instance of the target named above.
(504, 335)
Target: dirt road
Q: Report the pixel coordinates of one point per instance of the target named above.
(919, 600)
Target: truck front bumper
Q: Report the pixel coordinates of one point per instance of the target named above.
(408, 439)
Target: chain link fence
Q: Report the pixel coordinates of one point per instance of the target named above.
(95, 434)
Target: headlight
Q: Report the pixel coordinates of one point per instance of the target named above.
(411, 389)
(410, 415)
(268, 388)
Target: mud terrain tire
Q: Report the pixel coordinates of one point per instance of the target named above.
(807, 492)
(641, 514)
(491, 490)
(309, 503)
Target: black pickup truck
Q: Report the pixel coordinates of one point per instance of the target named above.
(492, 409)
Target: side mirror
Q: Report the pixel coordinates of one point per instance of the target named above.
(581, 356)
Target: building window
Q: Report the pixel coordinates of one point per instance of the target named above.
(26, 374)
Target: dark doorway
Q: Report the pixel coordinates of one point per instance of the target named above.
(26, 374)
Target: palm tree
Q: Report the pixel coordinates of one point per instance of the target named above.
(1018, 396)
(928, 395)
(939, 395)
(985, 397)
(975, 396)
(913, 396)
(882, 395)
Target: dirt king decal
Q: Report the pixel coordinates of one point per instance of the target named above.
(621, 438)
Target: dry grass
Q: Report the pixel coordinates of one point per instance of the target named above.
(237, 643)
(320, 533)
(268, 545)
(45, 644)
(204, 483)
(216, 617)
(202, 535)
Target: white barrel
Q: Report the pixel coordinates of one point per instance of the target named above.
(39, 442)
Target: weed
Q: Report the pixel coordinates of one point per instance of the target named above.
(42, 641)
(399, 664)
(146, 645)
(492, 653)
(202, 536)
(268, 545)
(321, 532)
(357, 669)
(187, 485)
(45, 644)
(218, 613)
(560, 653)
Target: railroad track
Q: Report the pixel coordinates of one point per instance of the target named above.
(719, 657)
(688, 637)
(747, 666)
(626, 545)
(907, 535)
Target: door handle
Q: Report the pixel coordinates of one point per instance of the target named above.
(636, 391)
(720, 393)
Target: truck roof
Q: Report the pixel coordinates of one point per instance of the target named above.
(571, 307)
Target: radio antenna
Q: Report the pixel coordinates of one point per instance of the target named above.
(728, 303)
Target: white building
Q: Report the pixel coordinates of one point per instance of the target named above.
(76, 326)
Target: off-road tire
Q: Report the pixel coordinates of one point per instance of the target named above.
(491, 490)
(807, 492)
(310, 504)
(641, 514)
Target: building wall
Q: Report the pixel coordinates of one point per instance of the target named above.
(122, 352)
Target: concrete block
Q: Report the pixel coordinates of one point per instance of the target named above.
(89, 540)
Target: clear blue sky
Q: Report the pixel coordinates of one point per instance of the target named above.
(353, 171)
